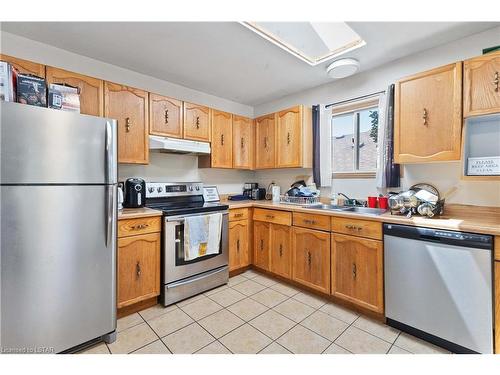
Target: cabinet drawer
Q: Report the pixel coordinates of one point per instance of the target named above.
(132, 227)
(357, 227)
(320, 222)
(238, 214)
(273, 216)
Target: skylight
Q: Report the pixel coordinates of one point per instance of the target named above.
(312, 42)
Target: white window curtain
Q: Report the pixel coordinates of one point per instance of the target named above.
(325, 146)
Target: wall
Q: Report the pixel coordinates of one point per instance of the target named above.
(166, 167)
(443, 175)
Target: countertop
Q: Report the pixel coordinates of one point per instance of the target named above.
(466, 218)
(134, 213)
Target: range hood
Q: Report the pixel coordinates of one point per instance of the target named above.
(178, 146)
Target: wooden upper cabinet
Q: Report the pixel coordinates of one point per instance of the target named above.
(481, 85)
(311, 258)
(290, 137)
(165, 116)
(265, 148)
(25, 66)
(222, 139)
(91, 89)
(280, 257)
(357, 271)
(243, 142)
(261, 244)
(428, 116)
(196, 122)
(129, 107)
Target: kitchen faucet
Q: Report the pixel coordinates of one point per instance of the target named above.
(352, 201)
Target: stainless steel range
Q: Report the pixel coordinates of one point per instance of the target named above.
(182, 278)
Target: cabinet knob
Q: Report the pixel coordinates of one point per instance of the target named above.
(138, 269)
(354, 271)
(496, 81)
(127, 124)
(197, 122)
(424, 117)
(166, 116)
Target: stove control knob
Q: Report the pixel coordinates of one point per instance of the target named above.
(197, 187)
(190, 188)
(151, 189)
(159, 189)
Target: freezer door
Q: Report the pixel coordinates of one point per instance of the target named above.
(58, 262)
(47, 146)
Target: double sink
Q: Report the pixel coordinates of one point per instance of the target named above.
(353, 209)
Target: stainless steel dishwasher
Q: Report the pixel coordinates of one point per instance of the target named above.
(438, 286)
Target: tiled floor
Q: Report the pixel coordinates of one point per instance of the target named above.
(257, 314)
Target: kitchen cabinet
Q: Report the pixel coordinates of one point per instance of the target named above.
(312, 221)
(165, 114)
(222, 140)
(196, 122)
(357, 227)
(265, 149)
(357, 271)
(91, 89)
(294, 138)
(243, 143)
(280, 253)
(239, 235)
(311, 258)
(497, 307)
(25, 66)
(428, 116)
(481, 85)
(261, 243)
(129, 106)
(273, 216)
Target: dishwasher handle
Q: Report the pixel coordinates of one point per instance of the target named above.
(463, 239)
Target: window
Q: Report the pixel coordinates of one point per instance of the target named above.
(354, 142)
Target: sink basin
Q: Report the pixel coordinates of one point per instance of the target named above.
(358, 210)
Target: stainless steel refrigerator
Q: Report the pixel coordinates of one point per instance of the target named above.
(58, 229)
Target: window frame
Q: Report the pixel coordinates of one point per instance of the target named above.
(355, 109)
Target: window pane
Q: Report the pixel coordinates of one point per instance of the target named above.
(342, 143)
(367, 144)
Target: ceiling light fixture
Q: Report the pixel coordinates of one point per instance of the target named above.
(342, 68)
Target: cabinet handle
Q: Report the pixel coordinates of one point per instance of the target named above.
(242, 142)
(139, 226)
(265, 142)
(496, 81)
(288, 138)
(127, 124)
(261, 245)
(353, 227)
(307, 221)
(270, 216)
(281, 250)
(197, 122)
(238, 215)
(424, 116)
(238, 245)
(309, 259)
(138, 269)
(354, 270)
(166, 116)
(222, 139)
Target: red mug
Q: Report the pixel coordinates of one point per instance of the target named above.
(382, 202)
(372, 202)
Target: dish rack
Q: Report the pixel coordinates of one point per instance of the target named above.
(301, 201)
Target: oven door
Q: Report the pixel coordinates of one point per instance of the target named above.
(174, 266)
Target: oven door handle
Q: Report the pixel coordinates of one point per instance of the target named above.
(180, 219)
(197, 278)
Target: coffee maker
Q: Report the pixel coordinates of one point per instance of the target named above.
(248, 187)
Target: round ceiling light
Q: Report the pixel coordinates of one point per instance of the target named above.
(342, 68)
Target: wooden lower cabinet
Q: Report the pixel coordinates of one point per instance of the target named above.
(357, 271)
(497, 307)
(280, 251)
(138, 268)
(311, 258)
(239, 235)
(261, 244)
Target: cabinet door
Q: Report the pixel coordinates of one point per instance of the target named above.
(289, 138)
(196, 122)
(25, 66)
(428, 116)
(265, 152)
(481, 85)
(91, 89)
(222, 139)
(261, 242)
(281, 250)
(311, 258)
(357, 271)
(497, 307)
(238, 244)
(138, 268)
(129, 107)
(165, 116)
(243, 143)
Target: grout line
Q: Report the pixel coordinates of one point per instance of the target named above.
(155, 340)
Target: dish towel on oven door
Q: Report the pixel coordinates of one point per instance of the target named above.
(202, 235)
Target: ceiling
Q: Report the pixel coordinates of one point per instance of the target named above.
(225, 58)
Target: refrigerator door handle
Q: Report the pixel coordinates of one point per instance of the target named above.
(110, 213)
(109, 154)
